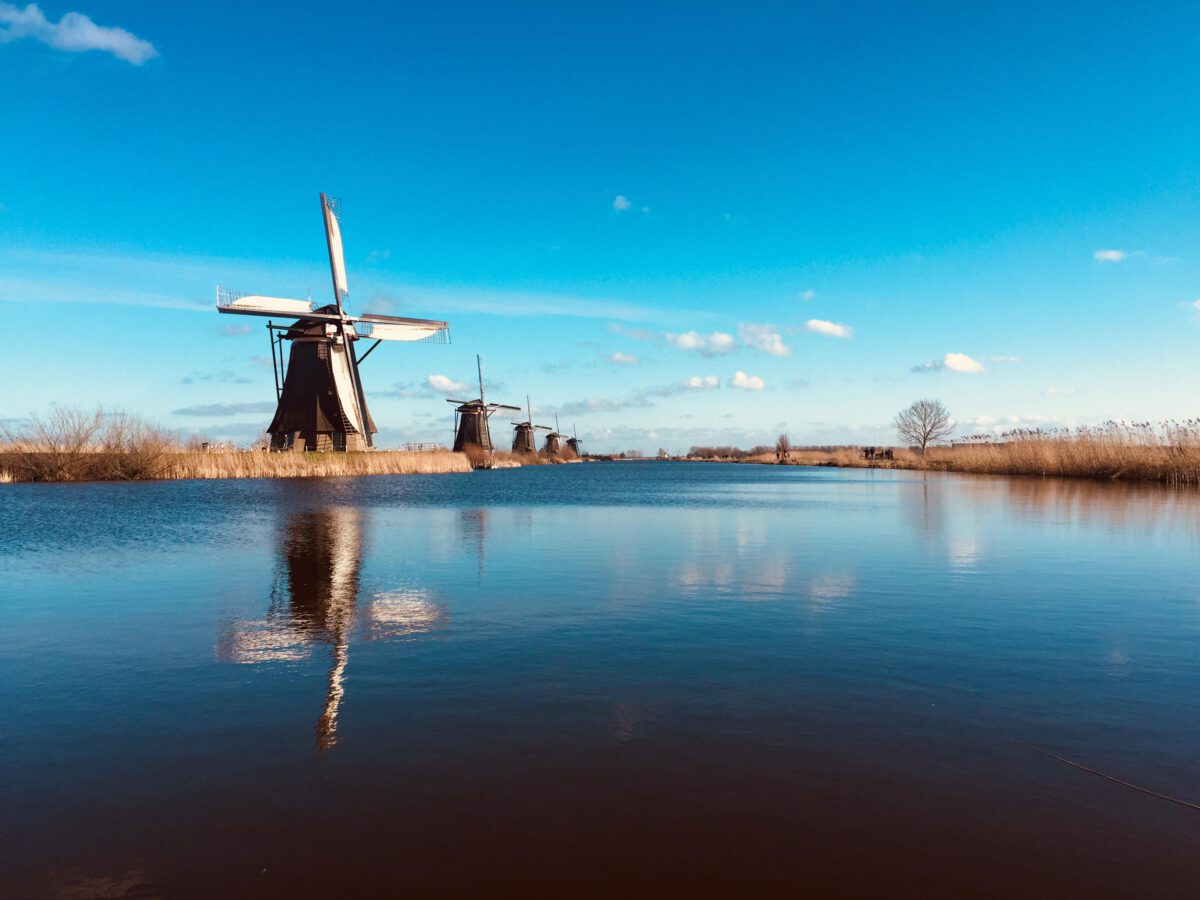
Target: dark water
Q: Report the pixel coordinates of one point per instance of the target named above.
(645, 678)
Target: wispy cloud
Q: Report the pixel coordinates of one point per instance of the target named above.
(716, 344)
(951, 362)
(638, 334)
(763, 337)
(830, 329)
(807, 294)
(222, 377)
(622, 359)
(444, 385)
(745, 382)
(73, 33)
(1109, 255)
(1196, 304)
(32, 276)
(234, 330)
(701, 383)
(376, 256)
(621, 203)
(225, 409)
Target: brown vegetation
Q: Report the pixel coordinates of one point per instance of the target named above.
(1168, 452)
(71, 445)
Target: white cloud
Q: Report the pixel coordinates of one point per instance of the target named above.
(765, 338)
(747, 382)
(807, 294)
(960, 362)
(701, 382)
(1109, 255)
(626, 359)
(1196, 304)
(444, 385)
(716, 344)
(74, 33)
(831, 329)
(954, 362)
(621, 203)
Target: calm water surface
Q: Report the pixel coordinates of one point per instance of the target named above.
(723, 679)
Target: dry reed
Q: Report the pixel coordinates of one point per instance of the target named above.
(1168, 452)
(72, 445)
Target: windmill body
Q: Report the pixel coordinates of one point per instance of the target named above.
(525, 433)
(322, 405)
(471, 429)
(574, 444)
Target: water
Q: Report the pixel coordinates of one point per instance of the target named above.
(638, 677)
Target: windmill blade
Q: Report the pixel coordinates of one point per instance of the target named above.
(258, 305)
(402, 330)
(331, 210)
(459, 402)
(495, 406)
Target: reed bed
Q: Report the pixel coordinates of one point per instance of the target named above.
(1167, 452)
(73, 445)
(258, 464)
(104, 465)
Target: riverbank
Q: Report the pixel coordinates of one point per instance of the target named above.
(18, 466)
(1109, 455)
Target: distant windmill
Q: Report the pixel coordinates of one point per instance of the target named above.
(471, 419)
(574, 444)
(524, 437)
(320, 394)
(553, 445)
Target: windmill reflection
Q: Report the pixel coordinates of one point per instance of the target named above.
(315, 601)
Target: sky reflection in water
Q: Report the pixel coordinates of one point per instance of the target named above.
(598, 676)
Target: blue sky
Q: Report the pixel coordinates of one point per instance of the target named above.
(865, 203)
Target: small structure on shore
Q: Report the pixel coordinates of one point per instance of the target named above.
(524, 433)
(319, 391)
(574, 444)
(471, 432)
(554, 441)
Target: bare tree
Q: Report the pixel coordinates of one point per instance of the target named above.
(925, 422)
(783, 447)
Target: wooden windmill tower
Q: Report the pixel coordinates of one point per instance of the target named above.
(574, 444)
(524, 433)
(320, 393)
(553, 445)
(471, 431)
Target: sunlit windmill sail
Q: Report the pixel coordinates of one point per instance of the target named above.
(322, 405)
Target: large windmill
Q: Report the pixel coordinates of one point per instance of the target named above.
(471, 419)
(525, 433)
(320, 394)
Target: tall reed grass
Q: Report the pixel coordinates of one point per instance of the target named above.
(71, 445)
(1168, 452)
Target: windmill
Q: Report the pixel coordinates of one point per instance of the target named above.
(471, 419)
(319, 391)
(574, 444)
(524, 435)
(553, 445)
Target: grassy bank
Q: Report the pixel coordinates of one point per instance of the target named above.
(1169, 454)
(101, 465)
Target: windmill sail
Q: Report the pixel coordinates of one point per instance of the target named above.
(322, 405)
(330, 208)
